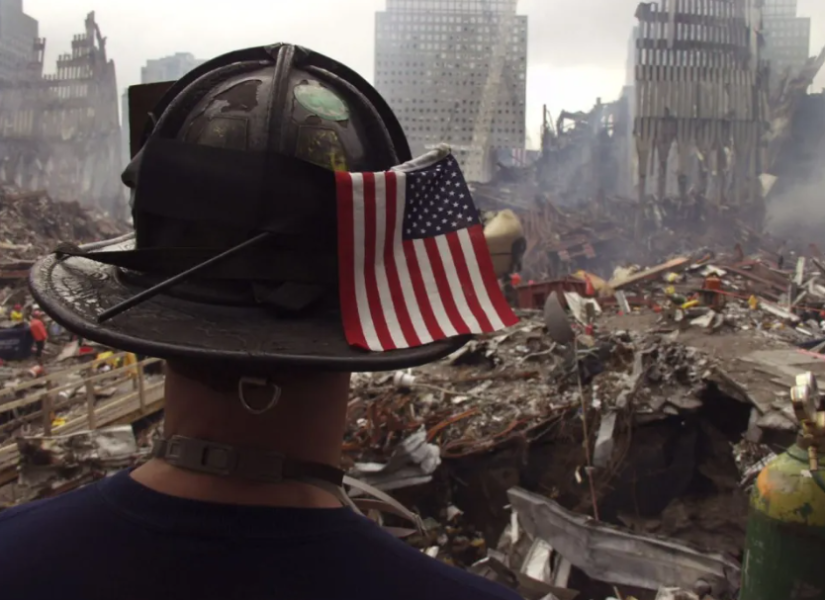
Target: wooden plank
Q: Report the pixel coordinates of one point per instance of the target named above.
(122, 410)
(48, 409)
(90, 406)
(72, 385)
(12, 391)
(141, 387)
(651, 273)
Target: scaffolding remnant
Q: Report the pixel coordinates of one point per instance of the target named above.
(700, 88)
(60, 132)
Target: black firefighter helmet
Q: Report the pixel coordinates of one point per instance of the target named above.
(238, 159)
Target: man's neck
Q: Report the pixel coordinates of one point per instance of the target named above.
(306, 424)
(161, 477)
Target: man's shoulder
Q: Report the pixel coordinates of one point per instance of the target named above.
(353, 552)
(39, 513)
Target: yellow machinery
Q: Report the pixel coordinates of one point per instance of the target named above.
(505, 239)
(785, 545)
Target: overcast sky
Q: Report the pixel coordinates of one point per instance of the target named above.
(577, 49)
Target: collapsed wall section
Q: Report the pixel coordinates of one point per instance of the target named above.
(700, 91)
(60, 132)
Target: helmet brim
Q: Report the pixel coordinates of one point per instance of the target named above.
(74, 291)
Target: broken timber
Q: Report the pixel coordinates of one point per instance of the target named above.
(135, 398)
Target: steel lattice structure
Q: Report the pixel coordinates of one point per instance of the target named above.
(700, 90)
(60, 132)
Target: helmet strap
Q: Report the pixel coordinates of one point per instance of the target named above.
(265, 466)
(211, 458)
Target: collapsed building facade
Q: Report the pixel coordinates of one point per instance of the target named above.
(692, 154)
(60, 132)
(700, 100)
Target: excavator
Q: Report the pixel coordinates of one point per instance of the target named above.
(506, 241)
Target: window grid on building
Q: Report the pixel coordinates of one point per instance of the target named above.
(432, 59)
(787, 38)
(18, 41)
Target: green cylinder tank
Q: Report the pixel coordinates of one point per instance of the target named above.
(785, 545)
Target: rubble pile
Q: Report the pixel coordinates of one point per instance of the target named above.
(641, 420)
(32, 224)
(605, 445)
(451, 439)
(607, 232)
(52, 465)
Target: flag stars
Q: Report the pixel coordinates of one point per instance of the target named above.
(438, 201)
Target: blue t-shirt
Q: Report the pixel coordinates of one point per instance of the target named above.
(119, 540)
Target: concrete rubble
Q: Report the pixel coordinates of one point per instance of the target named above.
(32, 224)
(52, 465)
(680, 380)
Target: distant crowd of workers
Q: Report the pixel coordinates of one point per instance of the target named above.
(36, 326)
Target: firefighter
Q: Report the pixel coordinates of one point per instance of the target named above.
(243, 496)
(39, 334)
(16, 315)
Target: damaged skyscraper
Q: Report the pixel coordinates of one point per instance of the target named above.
(700, 101)
(434, 61)
(60, 132)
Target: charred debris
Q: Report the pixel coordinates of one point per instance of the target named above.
(33, 224)
(604, 447)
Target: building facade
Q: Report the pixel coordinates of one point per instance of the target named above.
(18, 41)
(787, 37)
(60, 132)
(169, 68)
(432, 61)
(630, 65)
(686, 133)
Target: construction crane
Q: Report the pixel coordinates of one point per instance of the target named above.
(483, 126)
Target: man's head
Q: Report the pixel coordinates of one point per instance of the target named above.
(258, 171)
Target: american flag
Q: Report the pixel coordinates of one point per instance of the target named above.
(414, 264)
